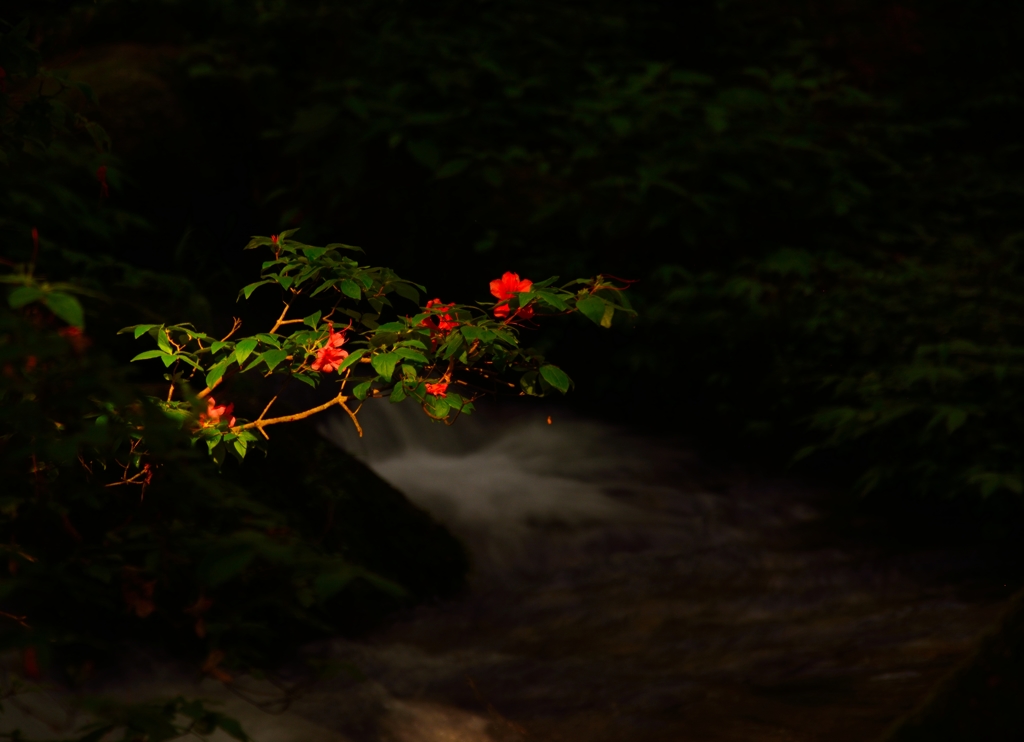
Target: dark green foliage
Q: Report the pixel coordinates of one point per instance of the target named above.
(194, 558)
(153, 721)
(817, 201)
(108, 538)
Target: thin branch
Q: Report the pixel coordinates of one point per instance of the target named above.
(17, 619)
(260, 424)
(234, 328)
(280, 320)
(210, 388)
(355, 420)
(267, 407)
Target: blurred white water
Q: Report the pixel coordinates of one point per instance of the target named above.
(621, 591)
(498, 480)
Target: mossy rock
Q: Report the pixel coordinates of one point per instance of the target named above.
(339, 502)
(980, 701)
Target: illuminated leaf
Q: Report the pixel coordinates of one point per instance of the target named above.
(556, 377)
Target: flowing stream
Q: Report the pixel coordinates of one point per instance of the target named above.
(622, 590)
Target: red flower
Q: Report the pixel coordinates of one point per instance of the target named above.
(273, 238)
(215, 412)
(79, 342)
(438, 389)
(445, 323)
(101, 176)
(329, 357)
(505, 288)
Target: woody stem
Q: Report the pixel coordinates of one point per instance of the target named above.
(355, 420)
(340, 399)
(267, 407)
(234, 327)
(280, 320)
(210, 388)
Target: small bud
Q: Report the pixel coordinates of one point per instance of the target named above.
(30, 661)
(101, 176)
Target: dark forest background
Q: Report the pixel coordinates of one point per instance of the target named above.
(819, 202)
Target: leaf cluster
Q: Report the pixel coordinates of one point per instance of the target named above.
(460, 346)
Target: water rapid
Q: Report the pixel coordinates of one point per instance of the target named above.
(621, 591)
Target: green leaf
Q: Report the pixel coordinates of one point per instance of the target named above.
(545, 283)
(146, 355)
(593, 308)
(606, 318)
(217, 345)
(313, 319)
(398, 393)
(66, 307)
(221, 569)
(324, 286)
(327, 584)
(87, 91)
(528, 382)
(552, 299)
(232, 728)
(311, 381)
(425, 152)
(410, 355)
(24, 295)
(244, 348)
(452, 346)
(247, 290)
(454, 167)
(351, 289)
(216, 373)
(273, 357)
(141, 330)
(437, 407)
(361, 390)
(407, 292)
(162, 341)
(477, 333)
(190, 361)
(412, 344)
(352, 358)
(384, 364)
(556, 377)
